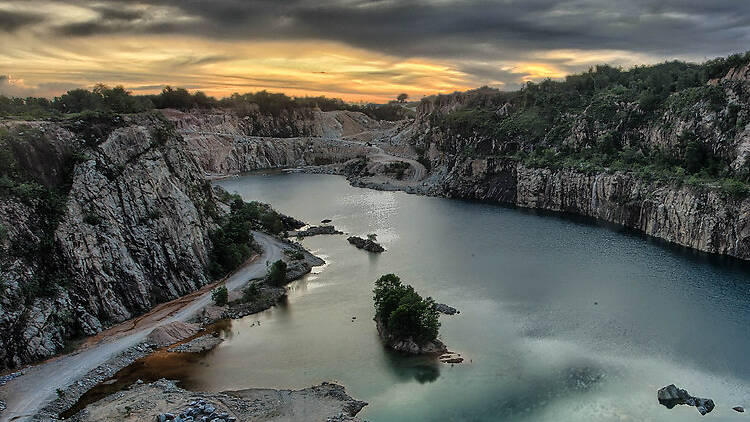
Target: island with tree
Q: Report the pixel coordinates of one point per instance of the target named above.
(406, 322)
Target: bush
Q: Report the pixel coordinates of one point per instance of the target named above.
(220, 295)
(403, 312)
(251, 292)
(277, 273)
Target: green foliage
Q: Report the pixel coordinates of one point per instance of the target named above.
(117, 100)
(372, 236)
(403, 311)
(277, 273)
(251, 292)
(220, 295)
(232, 240)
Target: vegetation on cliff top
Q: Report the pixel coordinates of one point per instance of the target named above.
(597, 121)
(118, 100)
(403, 312)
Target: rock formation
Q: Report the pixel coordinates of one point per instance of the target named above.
(366, 244)
(314, 231)
(409, 345)
(671, 396)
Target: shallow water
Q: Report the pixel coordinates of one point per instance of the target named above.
(560, 319)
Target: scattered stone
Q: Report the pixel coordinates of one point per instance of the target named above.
(365, 244)
(451, 357)
(670, 396)
(739, 409)
(445, 309)
(5, 378)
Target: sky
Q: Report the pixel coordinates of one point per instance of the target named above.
(359, 50)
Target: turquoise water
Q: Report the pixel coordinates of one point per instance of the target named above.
(560, 320)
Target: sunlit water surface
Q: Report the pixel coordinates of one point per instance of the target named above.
(560, 320)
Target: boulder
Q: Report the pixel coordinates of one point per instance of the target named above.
(670, 396)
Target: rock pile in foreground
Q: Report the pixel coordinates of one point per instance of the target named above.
(163, 401)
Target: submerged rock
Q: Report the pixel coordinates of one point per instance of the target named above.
(670, 396)
(365, 244)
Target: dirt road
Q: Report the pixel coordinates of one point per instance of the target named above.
(29, 393)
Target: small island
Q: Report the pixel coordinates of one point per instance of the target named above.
(406, 322)
(368, 244)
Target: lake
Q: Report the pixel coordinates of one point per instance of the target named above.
(561, 319)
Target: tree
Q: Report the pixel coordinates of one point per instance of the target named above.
(403, 312)
(277, 273)
(402, 98)
(220, 295)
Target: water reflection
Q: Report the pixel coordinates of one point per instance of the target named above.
(408, 368)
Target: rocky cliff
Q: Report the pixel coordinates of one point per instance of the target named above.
(113, 221)
(477, 166)
(226, 143)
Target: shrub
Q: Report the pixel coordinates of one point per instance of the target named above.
(277, 273)
(403, 312)
(220, 295)
(251, 292)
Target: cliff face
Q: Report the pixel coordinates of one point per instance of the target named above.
(480, 167)
(225, 143)
(126, 230)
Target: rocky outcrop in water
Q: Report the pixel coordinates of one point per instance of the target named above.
(409, 345)
(671, 396)
(315, 230)
(367, 244)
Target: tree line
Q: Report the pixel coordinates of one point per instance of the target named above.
(105, 99)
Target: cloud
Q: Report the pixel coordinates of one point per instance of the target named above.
(501, 43)
(432, 28)
(11, 87)
(13, 20)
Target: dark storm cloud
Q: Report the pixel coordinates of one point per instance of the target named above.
(456, 28)
(11, 20)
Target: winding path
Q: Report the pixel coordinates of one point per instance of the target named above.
(28, 394)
